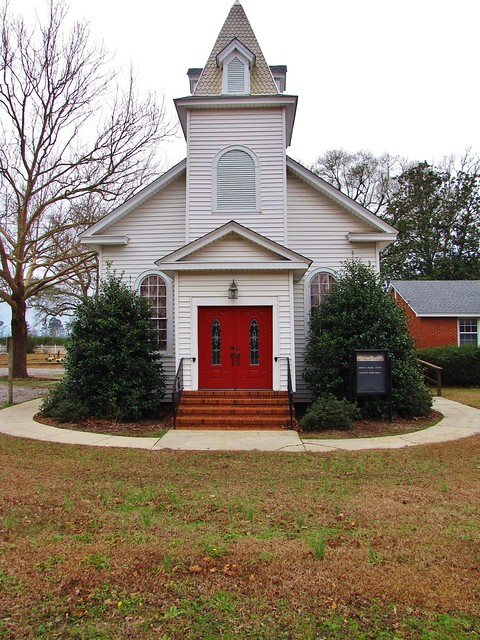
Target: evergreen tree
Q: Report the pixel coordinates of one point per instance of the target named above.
(112, 370)
(360, 314)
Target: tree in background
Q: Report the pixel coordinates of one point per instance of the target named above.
(437, 214)
(360, 314)
(365, 178)
(71, 141)
(112, 370)
(434, 208)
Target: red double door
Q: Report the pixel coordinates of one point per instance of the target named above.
(235, 347)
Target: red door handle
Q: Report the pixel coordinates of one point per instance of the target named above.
(238, 356)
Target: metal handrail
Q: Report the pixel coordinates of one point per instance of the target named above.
(436, 370)
(289, 386)
(177, 391)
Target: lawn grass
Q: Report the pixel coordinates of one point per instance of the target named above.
(465, 395)
(101, 544)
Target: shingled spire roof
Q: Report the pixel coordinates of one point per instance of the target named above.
(236, 26)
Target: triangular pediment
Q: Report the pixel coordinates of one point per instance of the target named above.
(233, 246)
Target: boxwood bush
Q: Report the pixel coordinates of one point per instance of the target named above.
(461, 365)
(327, 412)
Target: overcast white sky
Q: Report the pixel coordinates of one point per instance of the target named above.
(401, 77)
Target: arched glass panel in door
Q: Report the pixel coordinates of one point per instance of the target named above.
(254, 342)
(216, 342)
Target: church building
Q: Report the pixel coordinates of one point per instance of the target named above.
(236, 243)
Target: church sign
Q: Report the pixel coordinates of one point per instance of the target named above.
(372, 372)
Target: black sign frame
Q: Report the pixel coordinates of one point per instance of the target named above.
(371, 374)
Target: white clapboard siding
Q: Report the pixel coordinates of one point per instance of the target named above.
(261, 131)
(229, 248)
(154, 229)
(214, 287)
(318, 228)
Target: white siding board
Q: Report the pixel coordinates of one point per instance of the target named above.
(154, 229)
(261, 130)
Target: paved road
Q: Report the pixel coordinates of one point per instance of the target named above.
(41, 372)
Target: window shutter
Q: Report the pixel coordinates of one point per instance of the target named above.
(236, 76)
(236, 188)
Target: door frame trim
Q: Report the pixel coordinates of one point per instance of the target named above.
(248, 301)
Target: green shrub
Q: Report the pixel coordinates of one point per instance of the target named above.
(63, 406)
(328, 412)
(112, 370)
(360, 314)
(461, 365)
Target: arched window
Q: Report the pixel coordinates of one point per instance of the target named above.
(320, 286)
(154, 287)
(236, 181)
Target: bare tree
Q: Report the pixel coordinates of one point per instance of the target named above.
(70, 138)
(365, 178)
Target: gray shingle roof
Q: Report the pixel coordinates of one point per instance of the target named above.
(441, 297)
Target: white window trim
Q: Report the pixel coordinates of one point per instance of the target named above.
(308, 279)
(169, 285)
(478, 329)
(216, 160)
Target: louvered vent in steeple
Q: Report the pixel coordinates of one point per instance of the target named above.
(236, 76)
(236, 182)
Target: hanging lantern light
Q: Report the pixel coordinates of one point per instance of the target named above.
(233, 291)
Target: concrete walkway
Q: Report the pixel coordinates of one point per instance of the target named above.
(459, 421)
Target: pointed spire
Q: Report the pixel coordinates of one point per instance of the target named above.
(236, 26)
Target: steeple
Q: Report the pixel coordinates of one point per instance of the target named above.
(236, 63)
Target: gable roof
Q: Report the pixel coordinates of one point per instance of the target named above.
(440, 297)
(344, 201)
(236, 26)
(279, 258)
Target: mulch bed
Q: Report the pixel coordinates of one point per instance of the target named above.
(372, 428)
(144, 428)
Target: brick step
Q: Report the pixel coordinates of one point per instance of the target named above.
(233, 402)
(233, 395)
(229, 422)
(232, 409)
(231, 427)
(236, 410)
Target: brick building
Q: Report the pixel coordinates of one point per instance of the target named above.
(440, 312)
